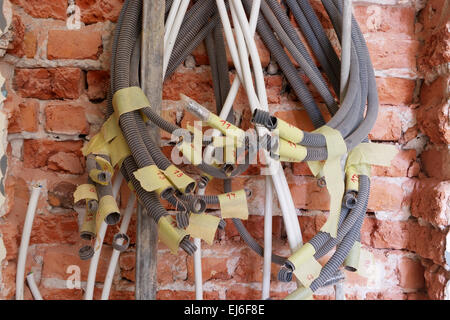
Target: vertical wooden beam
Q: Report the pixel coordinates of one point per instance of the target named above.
(151, 82)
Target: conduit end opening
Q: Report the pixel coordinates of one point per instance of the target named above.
(112, 218)
(198, 206)
(126, 242)
(86, 252)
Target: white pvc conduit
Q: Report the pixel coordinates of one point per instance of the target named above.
(33, 287)
(26, 232)
(198, 261)
(89, 295)
(116, 253)
(267, 240)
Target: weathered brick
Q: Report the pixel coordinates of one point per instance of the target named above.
(388, 126)
(37, 152)
(436, 162)
(411, 274)
(25, 118)
(46, 84)
(98, 84)
(395, 91)
(66, 119)
(74, 44)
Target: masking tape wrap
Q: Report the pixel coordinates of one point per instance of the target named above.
(89, 226)
(169, 234)
(365, 155)
(352, 259)
(291, 150)
(332, 172)
(119, 150)
(203, 226)
(191, 153)
(105, 165)
(110, 128)
(93, 174)
(301, 293)
(85, 192)
(234, 205)
(106, 206)
(307, 268)
(97, 145)
(289, 132)
(150, 178)
(165, 184)
(178, 178)
(352, 179)
(227, 129)
(129, 100)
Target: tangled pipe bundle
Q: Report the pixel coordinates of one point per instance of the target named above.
(141, 160)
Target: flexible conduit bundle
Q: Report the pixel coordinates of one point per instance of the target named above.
(353, 116)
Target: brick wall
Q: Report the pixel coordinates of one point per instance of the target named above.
(57, 82)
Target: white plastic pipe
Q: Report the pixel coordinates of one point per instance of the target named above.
(198, 261)
(33, 287)
(346, 46)
(267, 240)
(25, 241)
(170, 19)
(116, 253)
(89, 295)
(168, 47)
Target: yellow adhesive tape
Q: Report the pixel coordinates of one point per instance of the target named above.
(234, 205)
(193, 155)
(178, 178)
(106, 206)
(362, 157)
(203, 226)
(110, 128)
(85, 192)
(302, 255)
(308, 272)
(301, 293)
(289, 132)
(128, 100)
(165, 184)
(227, 128)
(93, 174)
(291, 150)
(88, 225)
(169, 234)
(353, 257)
(352, 179)
(332, 171)
(105, 165)
(150, 178)
(366, 264)
(97, 145)
(119, 150)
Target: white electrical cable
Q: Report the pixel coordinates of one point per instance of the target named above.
(267, 240)
(26, 232)
(89, 295)
(198, 261)
(33, 287)
(116, 253)
(168, 47)
(170, 19)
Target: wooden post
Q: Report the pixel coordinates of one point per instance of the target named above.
(151, 82)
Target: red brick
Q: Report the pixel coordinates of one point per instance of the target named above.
(385, 196)
(66, 119)
(213, 268)
(411, 274)
(388, 54)
(239, 292)
(37, 152)
(61, 294)
(436, 279)
(66, 162)
(57, 259)
(175, 295)
(436, 162)
(391, 294)
(433, 14)
(92, 11)
(46, 84)
(74, 44)
(308, 195)
(61, 195)
(390, 21)
(249, 267)
(55, 228)
(395, 91)
(197, 86)
(98, 84)
(388, 126)
(430, 201)
(18, 29)
(436, 49)
(25, 118)
(403, 165)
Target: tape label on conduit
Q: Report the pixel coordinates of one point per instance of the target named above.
(110, 128)
(97, 145)
(128, 100)
(193, 153)
(366, 266)
(106, 206)
(150, 178)
(289, 132)
(227, 128)
(169, 234)
(203, 226)
(353, 257)
(119, 150)
(105, 165)
(332, 172)
(234, 205)
(89, 223)
(307, 268)
(291, 150)
(85, 192)
(362, 157)
(178, 178)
